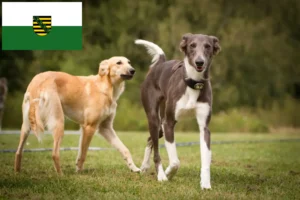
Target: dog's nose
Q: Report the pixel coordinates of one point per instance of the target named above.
(199, 63)
(132, 71)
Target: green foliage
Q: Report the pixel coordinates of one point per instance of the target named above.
(257, 69)
(284, 113)
(13, 111)
(135, 119)
(239, 120)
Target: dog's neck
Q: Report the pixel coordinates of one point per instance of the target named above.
(118, 85)
(118, 89)
(115, 87)
(193, 74)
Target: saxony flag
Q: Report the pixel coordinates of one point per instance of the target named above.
(41, 25)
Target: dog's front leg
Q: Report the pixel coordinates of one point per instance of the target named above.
(171, 148)
(203, 112)
(110, 135)
(84, 143)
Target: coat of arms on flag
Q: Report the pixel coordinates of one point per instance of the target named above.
(41, 25)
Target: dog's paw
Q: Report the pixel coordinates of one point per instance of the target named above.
(78, 170)
(133, 168)
(136, 170)
(205, 185)
(170, 174)
(171, 171)
(162, 177)
(205, 179)
(59, 173)
(145, 168)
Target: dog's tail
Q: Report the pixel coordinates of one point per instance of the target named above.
(32, 119)
(154, 50)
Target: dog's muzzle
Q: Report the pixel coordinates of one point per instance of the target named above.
(199, 65)
(128, 76)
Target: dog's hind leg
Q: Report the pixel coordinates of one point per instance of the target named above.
(147, 155)
(146, 164)
(154, 131)
(51, 111)
(85, 140)
(58, 133)
(25, 130)
(151, 106)
(148, 150)
(23, 137)
(107, 131)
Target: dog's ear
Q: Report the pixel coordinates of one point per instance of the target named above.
(183, 43)
(216, 45)
(103, 68)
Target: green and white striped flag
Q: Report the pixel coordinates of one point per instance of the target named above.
(41, 26)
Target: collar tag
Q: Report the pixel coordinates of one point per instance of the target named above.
(196, 85)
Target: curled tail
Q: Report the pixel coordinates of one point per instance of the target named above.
(154, 50)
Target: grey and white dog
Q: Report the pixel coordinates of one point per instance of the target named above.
(174, 90)
(3, 94)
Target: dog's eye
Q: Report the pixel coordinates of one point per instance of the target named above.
(119, 63)
(129, 62)
(193, 45)
(207, 46)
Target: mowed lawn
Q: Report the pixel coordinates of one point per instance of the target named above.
(239, 171)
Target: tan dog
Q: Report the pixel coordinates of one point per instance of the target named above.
(91, 101)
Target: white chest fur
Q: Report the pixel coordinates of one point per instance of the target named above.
(187, 106)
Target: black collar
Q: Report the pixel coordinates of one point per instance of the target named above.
(196, 85)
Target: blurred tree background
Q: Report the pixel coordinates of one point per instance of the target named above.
(256, 77)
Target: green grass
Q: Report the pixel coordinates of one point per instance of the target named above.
(239, 171)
